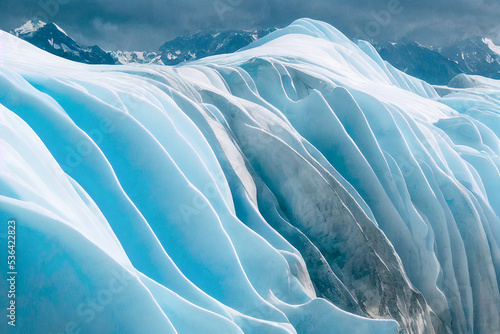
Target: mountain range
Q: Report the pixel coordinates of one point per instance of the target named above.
(478, 56)
(475, 55)
(52, 38)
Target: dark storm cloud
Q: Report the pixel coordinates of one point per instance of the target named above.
(136, 24)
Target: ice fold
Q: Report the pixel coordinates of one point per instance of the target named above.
(300, 185)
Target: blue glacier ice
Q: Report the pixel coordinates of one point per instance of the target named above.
(299, 185)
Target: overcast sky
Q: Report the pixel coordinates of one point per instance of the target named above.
(146, 24)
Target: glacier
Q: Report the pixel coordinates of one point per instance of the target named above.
(299, 185)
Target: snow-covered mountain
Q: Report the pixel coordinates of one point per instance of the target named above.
(30, 28)
(137, 57)
(419, 61)
(478, 56)
(300, 185)
(51, 38)
(201, 45)
(475, 55)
